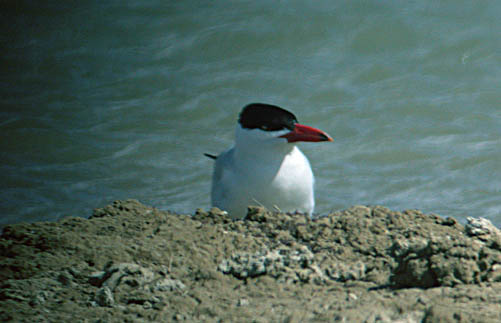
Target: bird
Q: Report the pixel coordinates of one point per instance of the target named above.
(265, 167)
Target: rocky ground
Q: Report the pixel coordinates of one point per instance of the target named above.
(133, 263)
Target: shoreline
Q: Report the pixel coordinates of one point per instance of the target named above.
(131, 262)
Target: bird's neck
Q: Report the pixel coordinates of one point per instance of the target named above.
(255, 144)
(265, 151)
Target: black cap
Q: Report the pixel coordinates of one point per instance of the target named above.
(266, 117)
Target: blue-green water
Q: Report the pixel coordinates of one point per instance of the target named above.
(111, 100)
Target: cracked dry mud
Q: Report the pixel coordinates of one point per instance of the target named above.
(133, 263)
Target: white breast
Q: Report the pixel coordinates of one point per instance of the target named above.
(275, 179)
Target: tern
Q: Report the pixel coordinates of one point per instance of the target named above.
(265, 167)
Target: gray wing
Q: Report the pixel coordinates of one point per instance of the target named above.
(223, 165)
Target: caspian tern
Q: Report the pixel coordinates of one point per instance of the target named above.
(265, 167)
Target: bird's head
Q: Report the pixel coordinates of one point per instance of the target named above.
(263, 124)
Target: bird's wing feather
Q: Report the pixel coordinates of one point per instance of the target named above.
(210, 156)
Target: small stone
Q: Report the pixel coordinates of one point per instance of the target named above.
(124, 273)
(168, 285)
(243, 302)
(178, 317)
(344, 272)
(159, 305)
(480, 227)
(449, 221)
(352, 297)
(104, 297)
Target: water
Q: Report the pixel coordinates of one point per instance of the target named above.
(103, 101)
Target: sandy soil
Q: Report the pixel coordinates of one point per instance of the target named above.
(132, 263)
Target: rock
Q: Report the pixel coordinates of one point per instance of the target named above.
(130, 262)
(352, 296)
(243, 302)
(285, 264)
(482, 229)
(168, 285)
(131, 206)
(245, 265)
(104, 297)
(343, 272)
(214, 215)
(125, 273)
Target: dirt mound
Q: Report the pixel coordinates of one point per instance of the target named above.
(130, 262)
